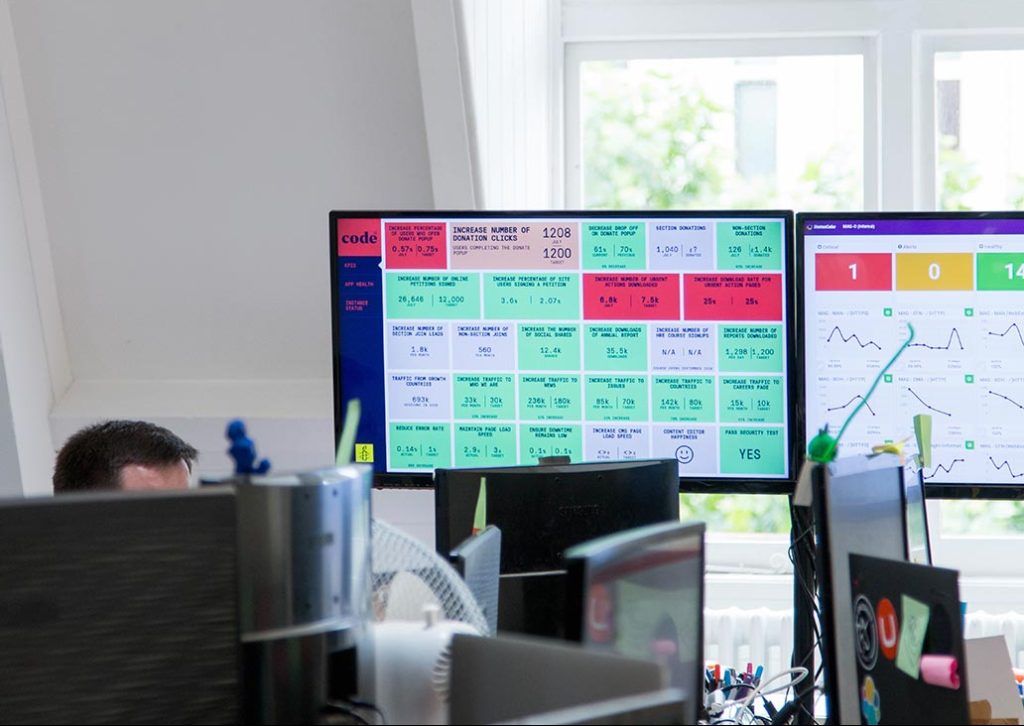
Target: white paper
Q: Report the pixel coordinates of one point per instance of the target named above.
(990, 676)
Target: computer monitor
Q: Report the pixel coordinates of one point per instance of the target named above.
(956, 278)
(120, 608)
(478, 560)
(640, 593)
(859, 508)
(480, 339)
(544, 510)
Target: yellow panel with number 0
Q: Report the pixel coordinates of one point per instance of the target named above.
(934, 271)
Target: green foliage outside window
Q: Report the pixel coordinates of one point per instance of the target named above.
(737, 512)
(958, 175)
(646, 144)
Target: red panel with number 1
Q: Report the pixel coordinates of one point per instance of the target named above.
(863, 271)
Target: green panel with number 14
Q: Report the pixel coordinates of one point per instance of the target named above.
(1000, 270)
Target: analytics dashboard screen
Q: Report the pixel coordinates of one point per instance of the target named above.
(959, 280)
(476, 339)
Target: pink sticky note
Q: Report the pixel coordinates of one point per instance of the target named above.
(940, 670)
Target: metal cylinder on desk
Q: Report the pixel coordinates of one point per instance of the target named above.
(304, 578)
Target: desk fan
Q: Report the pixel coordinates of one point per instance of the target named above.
(413, 589)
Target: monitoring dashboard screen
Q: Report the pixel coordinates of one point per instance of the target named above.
(959, 280)
(495, 339)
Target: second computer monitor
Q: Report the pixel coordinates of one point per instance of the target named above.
(859, 509)
(544, 510)
(640, 594)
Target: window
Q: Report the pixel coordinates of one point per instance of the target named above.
(979, 122)
(739, 132)
(832, 105)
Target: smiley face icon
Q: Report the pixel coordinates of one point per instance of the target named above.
(684, 454)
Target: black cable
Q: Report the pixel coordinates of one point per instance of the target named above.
(349, 708)
(790, 708)
(808, 621)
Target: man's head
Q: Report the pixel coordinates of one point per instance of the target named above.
(126, 455)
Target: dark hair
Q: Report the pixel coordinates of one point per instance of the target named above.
(93, 457)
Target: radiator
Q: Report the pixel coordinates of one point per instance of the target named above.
(737, 636)
(1009, 624)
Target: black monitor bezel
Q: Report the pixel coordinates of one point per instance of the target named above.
(700, 485)
(946, 490)
(582, 559)
(442, 498)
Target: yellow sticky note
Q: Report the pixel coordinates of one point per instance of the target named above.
(364, 453)
(923, 431)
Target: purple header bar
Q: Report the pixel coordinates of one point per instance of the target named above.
(869, 226)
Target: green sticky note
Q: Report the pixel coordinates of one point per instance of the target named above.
(480, 516)
(913, 629)
(348, 432)
(923, 432)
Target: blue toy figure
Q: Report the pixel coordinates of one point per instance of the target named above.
(243, 450)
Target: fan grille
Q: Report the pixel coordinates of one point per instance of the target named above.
(407, 575)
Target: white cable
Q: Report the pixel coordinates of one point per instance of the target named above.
(798, 672)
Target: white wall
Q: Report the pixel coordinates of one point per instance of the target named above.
(188, 154)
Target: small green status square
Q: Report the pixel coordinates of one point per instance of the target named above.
(968, 378)
(888, 377)
(969, 312)
(969, 445)
(887, 312)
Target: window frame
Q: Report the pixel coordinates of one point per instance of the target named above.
(929, 45)
(578, 53)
